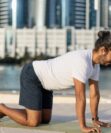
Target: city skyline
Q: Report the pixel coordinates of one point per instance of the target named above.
(80, 14)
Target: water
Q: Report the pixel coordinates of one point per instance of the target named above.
(9, 78)
(9, 81)
(105, 83)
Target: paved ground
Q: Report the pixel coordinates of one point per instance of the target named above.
(63, 116)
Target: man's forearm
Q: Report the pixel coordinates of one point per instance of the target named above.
(80, 110)
(94, 97)
(94, 102)
(81, 104)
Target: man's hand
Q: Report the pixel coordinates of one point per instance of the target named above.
(91, 130)
(101, 124)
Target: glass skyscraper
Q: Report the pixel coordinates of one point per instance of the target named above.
(54, 13)
(62, 13)
(77, 13)
(37, 13)
(92, 14)
(105, 13)
(5, 13)
(31, 13)
(22, 13)
(40, 13)
(7, 7)
(109, 14)
(65, 13)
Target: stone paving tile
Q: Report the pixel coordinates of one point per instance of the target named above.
(16, 130)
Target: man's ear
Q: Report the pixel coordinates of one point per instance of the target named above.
(103, 50)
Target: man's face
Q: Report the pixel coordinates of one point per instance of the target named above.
(105, 58)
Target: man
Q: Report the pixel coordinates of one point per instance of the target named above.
(40, 78)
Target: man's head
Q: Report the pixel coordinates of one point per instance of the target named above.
(103, 48)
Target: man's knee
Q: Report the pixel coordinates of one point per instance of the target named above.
(33, 118)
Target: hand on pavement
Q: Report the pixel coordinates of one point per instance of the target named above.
(91, 130)
(101, 124)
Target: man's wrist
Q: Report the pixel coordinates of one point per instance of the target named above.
(95, 118)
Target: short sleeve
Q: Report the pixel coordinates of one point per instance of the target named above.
(95, 74)
(80, 71)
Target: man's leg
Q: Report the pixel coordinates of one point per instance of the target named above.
(46, 115)
(25, 117)
(47, 103)
(2, 115)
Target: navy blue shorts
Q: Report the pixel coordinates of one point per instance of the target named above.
(32, 94)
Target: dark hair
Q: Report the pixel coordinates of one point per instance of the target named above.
(103, 40)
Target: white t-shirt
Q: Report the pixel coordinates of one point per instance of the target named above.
(59, 72)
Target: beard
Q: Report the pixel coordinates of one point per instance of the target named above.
(102, 61)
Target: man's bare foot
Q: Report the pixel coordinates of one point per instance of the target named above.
(1, 114)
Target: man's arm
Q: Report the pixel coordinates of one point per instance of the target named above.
(94, 103)
(81, 105)
(94, 98)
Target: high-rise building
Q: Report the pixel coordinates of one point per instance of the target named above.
(105, 13)
(58, 13)
(90, 14)
(31, 13)
(77, 13)
(36, 13)
(5, 13)
(22, 14)
(54, 13)
(66, 13)
(109, 14)
(40, 13)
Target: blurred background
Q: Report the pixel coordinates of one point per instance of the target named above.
(43, 29)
